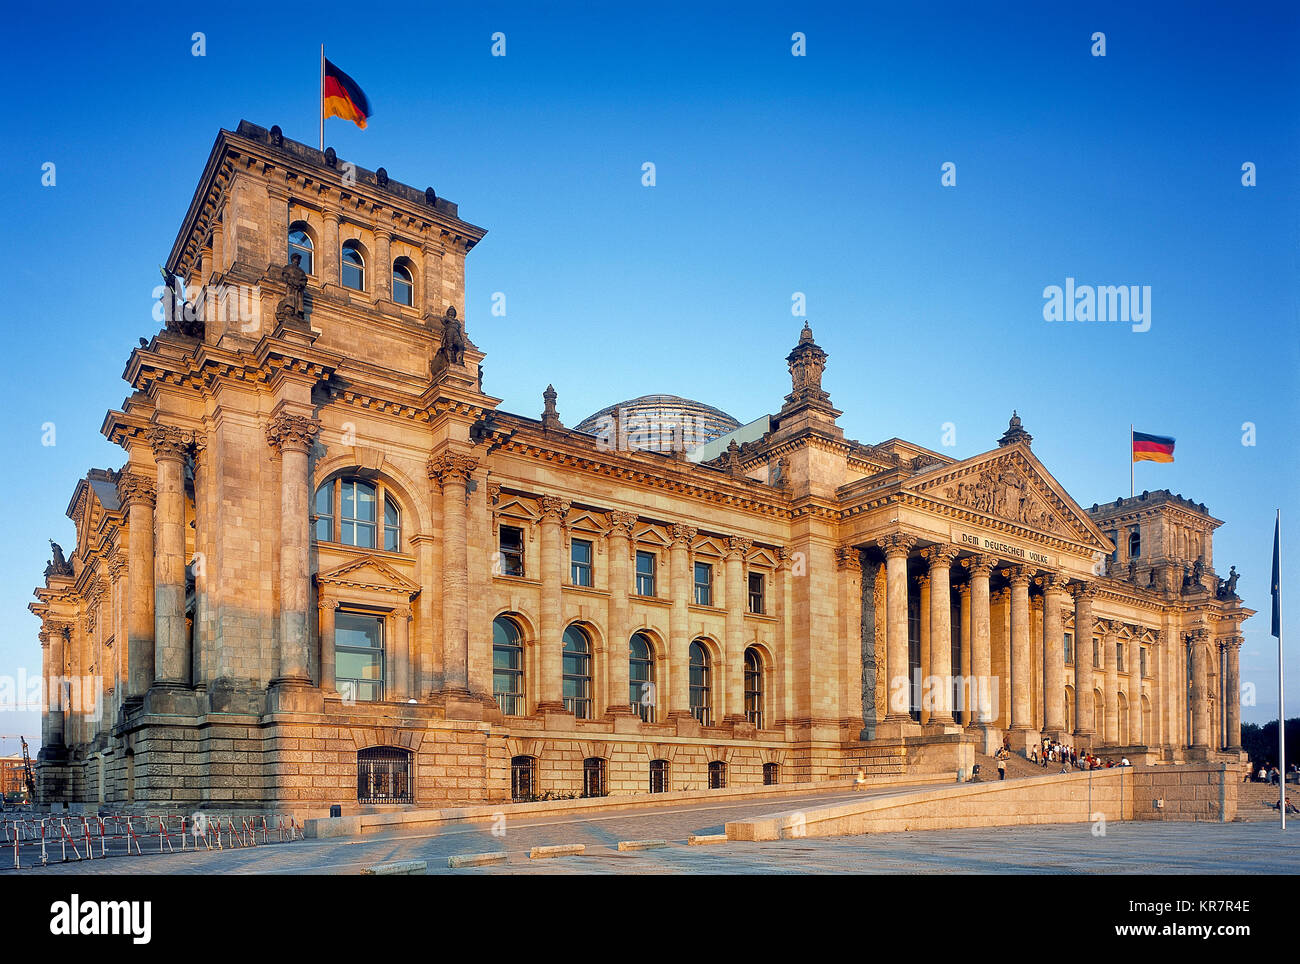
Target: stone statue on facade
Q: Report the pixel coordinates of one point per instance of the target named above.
(292, 307)
(58, 566)
(1227, 588)
(452, 349)
(179, 315)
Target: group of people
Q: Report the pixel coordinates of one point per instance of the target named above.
(1268, 773)
(1070, 758)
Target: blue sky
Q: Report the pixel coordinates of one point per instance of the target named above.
(775, 174)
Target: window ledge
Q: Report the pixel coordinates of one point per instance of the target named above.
(714, 610)
(649, 600)
(517, 580)
(761, 617)
(363, 551)
(586, 590)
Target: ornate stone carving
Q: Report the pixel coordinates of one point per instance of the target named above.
(1017, 575)
(731, 460)
(550, 417)
(169, 442)
(807, 362)
(494, 492)
(554, 507)
(451, 350)
(133, 487)
(1054, 582)
(1015, 432)
(848, 559)
(682, 534)
(1004, 493)
(896, 544)
(981, 564)
(738, 545)
(939, 556)
(1084, 591)
(451, 467)
(292, 432)
(622, 523)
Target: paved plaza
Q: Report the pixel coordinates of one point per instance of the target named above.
(1125, 848)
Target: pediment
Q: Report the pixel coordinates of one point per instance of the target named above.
(1010, 484)
(585, 521)
(368, 572)
(516, 509)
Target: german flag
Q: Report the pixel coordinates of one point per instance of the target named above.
(1152, 448)
(341, 97)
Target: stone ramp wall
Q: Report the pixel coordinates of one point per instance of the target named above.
(1194, 792)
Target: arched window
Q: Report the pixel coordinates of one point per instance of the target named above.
(508, 666)
(523, 778)
(659, 776)
(577, 673)
(403, 283)
(353, 266)
(641, 677)
(754, 687)
(346, 511)
(717, 775)
(593, 777)
(701, 703)
(300, 243)
(1135, 543)
(771, 775)
(384, 775)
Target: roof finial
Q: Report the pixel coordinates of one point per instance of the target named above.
(1015, 432)
(550, 417)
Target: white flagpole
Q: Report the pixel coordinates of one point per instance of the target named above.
(1130, 461)
(1281, 706)
(322, 97)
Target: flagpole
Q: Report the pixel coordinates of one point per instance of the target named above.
(322, 97)
(1281, 690)
(1131, 487)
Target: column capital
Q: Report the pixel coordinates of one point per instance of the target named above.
(1054, 583)
(402, 613)
(168, 442)
(622, 523)
(292, 433)
(1200, 634)
(1084, 592)
(1018, 576)
(939, 557)
(784, 557)
(554, 507)
(682, 535)
(452, 467)
(1233, 642)
(135, 488)
(896, 545)
(738, 546)
(981, 564)
(848, 559)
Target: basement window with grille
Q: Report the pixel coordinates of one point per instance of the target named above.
(384, 775)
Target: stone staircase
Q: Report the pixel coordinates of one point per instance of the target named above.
(1255, 801)
(1017, 767)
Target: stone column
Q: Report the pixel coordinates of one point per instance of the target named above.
(981, 658)
(137, 493)
(734, 597)
(896, 547)
(55, 691)
(328, 682)
(171, 641)
(1232, 691)
(622, 526)
(1021, 706)
(679, 641)
(383, 266)
(940, 669)
(1200, 695)
(452, 471)
(1054, 590)
(967, 716)
(292, 436)
(1084, 725)
(848, 563)
(550, 618)
(1110, 654)
(918, 685)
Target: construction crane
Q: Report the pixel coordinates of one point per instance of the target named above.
(29, 777)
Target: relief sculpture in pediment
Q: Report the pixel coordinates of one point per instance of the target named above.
(1004, 494)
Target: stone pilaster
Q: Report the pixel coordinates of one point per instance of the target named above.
(550, 622)
(171, 640)
(1110, 654)
(681, 586)
(622, 526)
(328, 607)
(1200, 692)
(1232, 690)
(848, 565)
(733, 658)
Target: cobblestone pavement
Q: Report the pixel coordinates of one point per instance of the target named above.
(1126, 848)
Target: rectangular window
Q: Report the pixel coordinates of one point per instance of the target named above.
(1069, 648)
(580, 562)
(1119, 657)
(512, 551)
(703, 584)
(359, 656)
(1142, 657)
(1096, 653)
(756, 593)
(325, 513)
(645, 573)
(357, 526)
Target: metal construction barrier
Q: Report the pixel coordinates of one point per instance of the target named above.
(36, 841)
